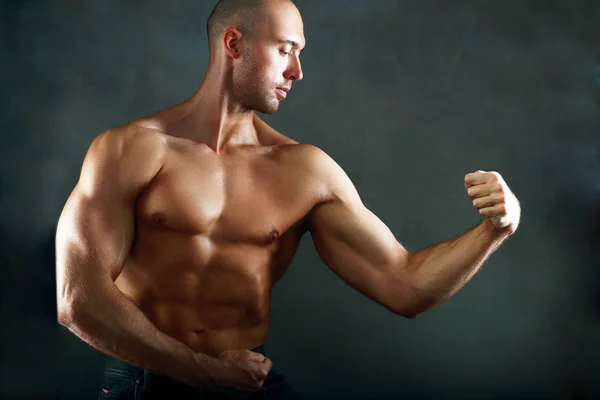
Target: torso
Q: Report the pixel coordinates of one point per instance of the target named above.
(214, 233)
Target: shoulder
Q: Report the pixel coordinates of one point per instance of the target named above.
(130, 139)
(326, 175)
(312, 158)
(322, 169)
(130, 155)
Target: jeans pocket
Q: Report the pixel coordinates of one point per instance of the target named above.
(119, 387)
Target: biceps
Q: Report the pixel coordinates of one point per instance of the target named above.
(359, 248)
(354, 232)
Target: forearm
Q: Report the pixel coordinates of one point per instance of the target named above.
(115, 326)
(437, 272)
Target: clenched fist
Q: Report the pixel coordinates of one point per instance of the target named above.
(494, 200)
(241, 369)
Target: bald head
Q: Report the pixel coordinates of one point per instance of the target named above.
(243, 14)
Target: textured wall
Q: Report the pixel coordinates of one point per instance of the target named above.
(407, 96)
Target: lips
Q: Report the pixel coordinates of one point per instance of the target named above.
(283, 91)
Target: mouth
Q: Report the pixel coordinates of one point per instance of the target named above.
(283, 92)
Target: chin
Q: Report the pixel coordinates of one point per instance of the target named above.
(268, 107)
(271, 110)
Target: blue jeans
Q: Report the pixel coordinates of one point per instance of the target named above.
(126, 382)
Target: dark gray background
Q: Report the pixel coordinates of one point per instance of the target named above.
(408, 97)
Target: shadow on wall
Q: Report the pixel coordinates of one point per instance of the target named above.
(597, 87)
(43, 282)
(8, 12)
(595, 245)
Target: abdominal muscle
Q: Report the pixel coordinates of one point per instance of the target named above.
(211, 297)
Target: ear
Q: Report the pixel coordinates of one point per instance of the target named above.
(232, 42)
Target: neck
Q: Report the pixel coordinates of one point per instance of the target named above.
(213, 116)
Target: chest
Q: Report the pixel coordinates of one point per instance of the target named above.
(253, 197)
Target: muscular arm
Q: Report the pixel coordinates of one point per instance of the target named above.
(361, 249)
(442, 269)
(93, 240)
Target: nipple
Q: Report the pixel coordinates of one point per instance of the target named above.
(274, 235)
(158, 218)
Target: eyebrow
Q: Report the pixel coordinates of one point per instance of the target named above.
(291, 42)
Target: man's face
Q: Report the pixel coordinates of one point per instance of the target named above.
(270, 60)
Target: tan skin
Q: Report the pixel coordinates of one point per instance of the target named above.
(182, 222)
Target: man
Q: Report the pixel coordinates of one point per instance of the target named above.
(182, 222)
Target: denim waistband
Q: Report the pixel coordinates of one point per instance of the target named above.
(116, 366)
(260, 349)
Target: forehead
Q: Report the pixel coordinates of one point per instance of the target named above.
(283, 22)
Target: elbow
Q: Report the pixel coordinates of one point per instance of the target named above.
(417, 308)
(71, 301)
(411, 304)
(407, 313)
(68, 312)
(65, 314)
(405, 309)
(411, 315)
(65, 305)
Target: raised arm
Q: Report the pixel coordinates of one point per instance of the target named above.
(362, 250)
(93, 240)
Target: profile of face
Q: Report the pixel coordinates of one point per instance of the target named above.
(269, 60)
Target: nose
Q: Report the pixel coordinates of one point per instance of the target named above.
(294, 70)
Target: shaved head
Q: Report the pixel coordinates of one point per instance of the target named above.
(243, 14)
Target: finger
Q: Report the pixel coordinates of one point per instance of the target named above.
(259, 372)
(268, 364)
(476, 178)
(257, 357)
(479, 191)
(484, 190)
(498, 210)
(488, 201)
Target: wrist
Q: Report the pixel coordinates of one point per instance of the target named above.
(194, 368)
(205, 368)
(496, 233)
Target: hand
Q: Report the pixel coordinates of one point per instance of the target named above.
(241, 369)
(494, 200)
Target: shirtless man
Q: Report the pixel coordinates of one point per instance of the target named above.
(182, 222)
